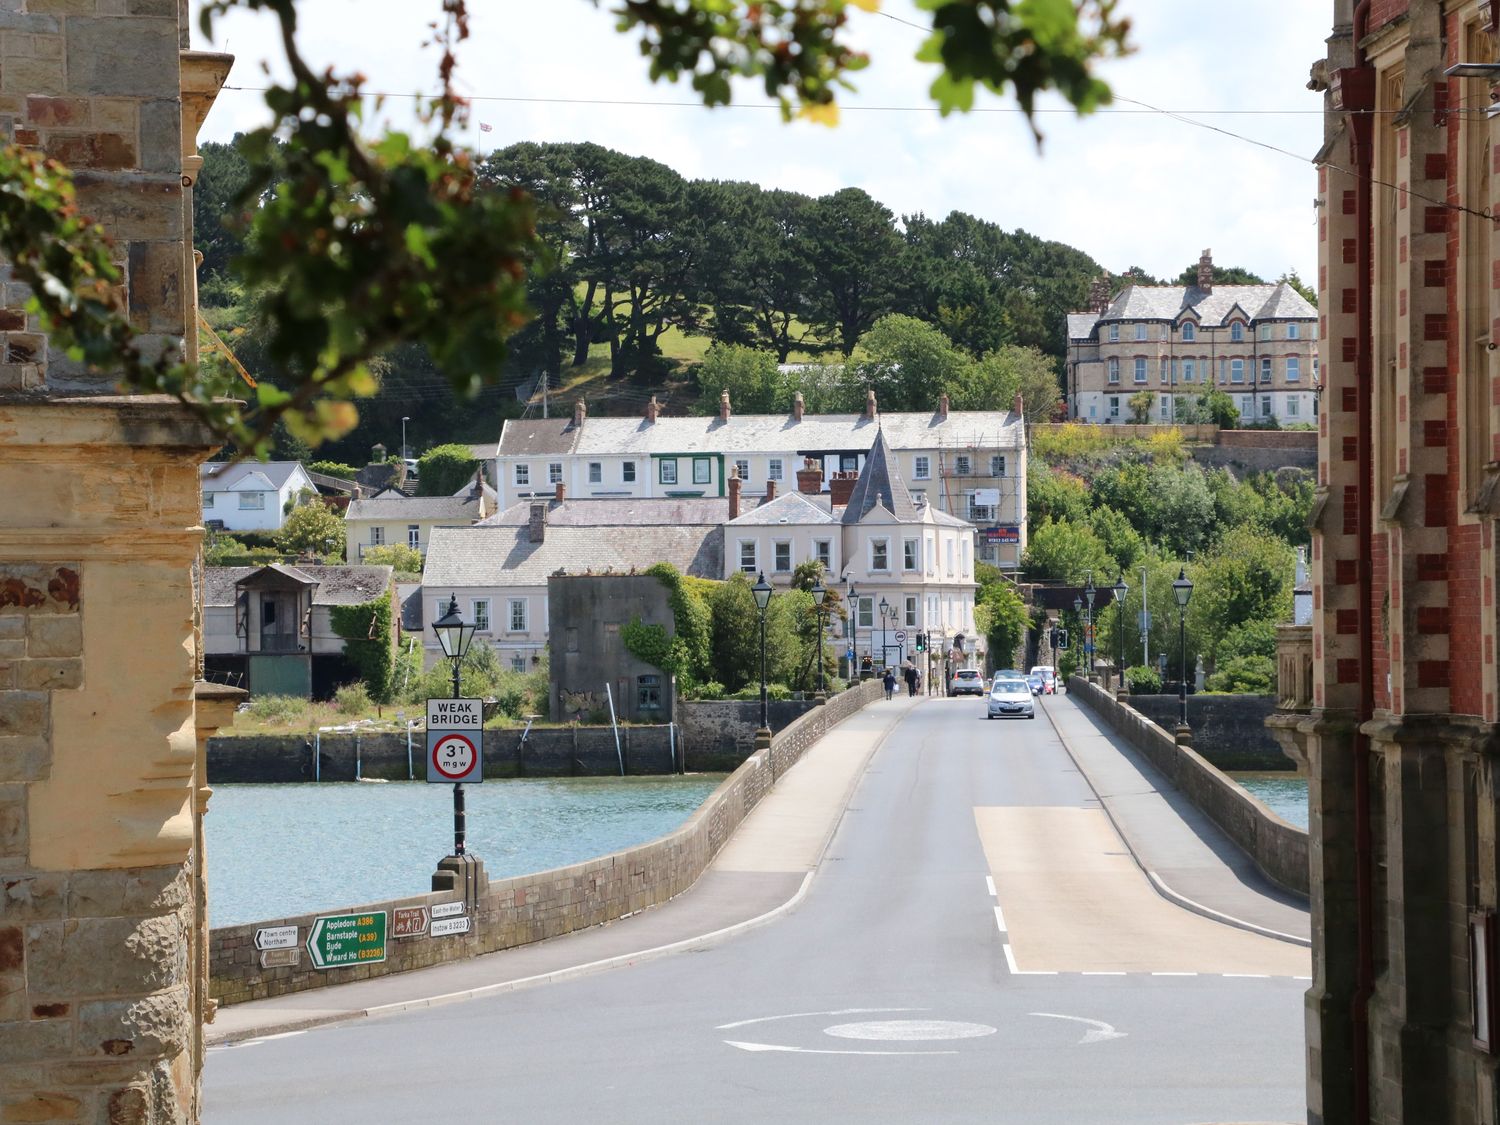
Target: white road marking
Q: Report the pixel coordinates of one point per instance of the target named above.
(1000, 919)
(1166, 974)
(1104, 972)
(1302, 978)
(804, 1015)
(989, 882)
(909, 1031)
(1010, 961)
(1098, 1031)
(259, 1039)
(816, 1051)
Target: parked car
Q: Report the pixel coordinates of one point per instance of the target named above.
(1049, 675)
(1037, 683)
(966, 681)
(1010, 697)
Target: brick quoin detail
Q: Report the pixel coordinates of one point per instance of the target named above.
(1351, 448)
(1346, 572)
(1348, 299)
(1348, 621)
(1350, 251)
(1432, 620)
(1348, 671)
(1351, 348)
(1350, 399)
(1435, 433)
(1435, 166)
(1435, 220)
(1351, 510)
(1435, 273)
(1435, 326)
(1349, 204)
(1435, 380)
(1436, 507)
(1432, 568)
(1432, 673)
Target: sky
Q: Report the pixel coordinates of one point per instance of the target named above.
(1128, 185)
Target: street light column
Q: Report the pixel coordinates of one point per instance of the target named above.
(454, 635)
(1121, 589)
(1089, 593)
(1182, 590)
(762, 593)
(819, 596)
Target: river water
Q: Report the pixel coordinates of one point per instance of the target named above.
(1284, 793)
(281, 850)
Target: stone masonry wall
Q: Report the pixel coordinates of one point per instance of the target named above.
(529, 908)
(1228, 730)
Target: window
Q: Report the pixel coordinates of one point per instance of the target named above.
(554, 472)
(950, 558)
(1237, 331)
(741, 470)
(961, 466)
(997, 465)
(627, 472)
(1114, 406)
(1164, 332)
(978, 513)
(208, 499)
(1140, 369)
(518, 615)
(252, 501)
(773, 469)
(596, 472)
(517, 662)
(781, 553)
(1263, 332)
(414, 536)
(1114, 333)
(1140, 331)
(911, 611)
(747, 556)
(921, 468)
(1166, 372)
(1188, 371)
(908, 554)
(848, 462)
(1265, 406)
(823, 552)
(1189, 333)
(523, 474)
(1114, 370)
(1293, 369)
(481, 611)
(866, 613)
(703, 470)
(667, 472)
(1236, 370)
(1293, 331)
(648, 693)
(377, 538)
(1292, 406)
(919, 497)
(880, 558)
(1265, 369)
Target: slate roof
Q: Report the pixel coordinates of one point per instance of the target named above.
(618, 512)
(1081, 325)
(389, 504)
(758, 433)
(335, 585)
(220, 476)
(505, 556)
(793, 508)
(1165, 302)
(409, 597)
(880, 486)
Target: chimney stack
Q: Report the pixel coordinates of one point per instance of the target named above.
(1206, 271)
(1099, 295)
(359, 493)
(943, 407)
(562, 492)
(797, 407)
(653, 410)
(734, 498)
(810, 477)
(871, 410)
(770, 491)
(536, 526)
(723, 406)
(841, 487)
(580, 412)
(1018, 406)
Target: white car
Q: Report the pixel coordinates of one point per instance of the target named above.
(1010, 697)
(966, 681)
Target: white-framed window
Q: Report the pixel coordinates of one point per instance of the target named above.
(667, 471)
(517, 662)
(976, 512)
(921, 467)
(414, 536)
(910, 617)
(554, 472)
(1236, 370)
(703, 470)
(1292, 405)
(1114, 370)
(919, 497)
(208, 499)
(480, 609)
(1263, 331)
(773, 469)
(1265, 369)
(516, 615)
(1265, 406)
(909, 554)
(747, 556)
(1093, 410)
(1140, 330)
(1293, 331)
(1247, 405)
(596, 472)
(1114, 406)
(627, 472)
(950, 558)
(1237, 331)
(523, 474)
(880, 554)
(823, 552)
(781, 555)
(1114, 333)
(1293, 369)
(252, 501)
(741, 470)
(1164, 332)
(1166, 372)
(1140, 369)
(377, 539)
(1189, 372)
(1189, 332)
(961, 465)
(1223, 371)
(866, 613)
(931, 556)
(997, 465)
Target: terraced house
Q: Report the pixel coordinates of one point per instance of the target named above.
(1256, 343)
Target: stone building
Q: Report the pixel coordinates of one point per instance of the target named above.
(1398, 727)
(103, 922)
(1256, 343)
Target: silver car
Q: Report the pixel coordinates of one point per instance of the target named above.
(1010, 697)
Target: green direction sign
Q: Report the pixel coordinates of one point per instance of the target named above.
(347, 939)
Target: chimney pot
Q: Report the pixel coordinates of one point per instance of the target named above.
(724, 406)
(943, 407)
(653, 410)
(1099, 295)
(871, 410)
(536, 526)
(562, 491)
(841, 487)
(797, 407)
(580, 412)
(1018, 405)
(734, 498)
(770, 491)
(810, 477)
(1206, 271)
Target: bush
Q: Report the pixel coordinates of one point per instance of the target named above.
(333, 469)
(277, 708)
(399, 557)
(1142, 680)
(1250, 675)
(444, 469)
(352, 699)
(312, 530)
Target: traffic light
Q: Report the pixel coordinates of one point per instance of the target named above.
(1062, 638)
(921, 642)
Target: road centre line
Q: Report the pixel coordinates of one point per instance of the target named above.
(989, 882)
(1000, 919)
(1104, 972)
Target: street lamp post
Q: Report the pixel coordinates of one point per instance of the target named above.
(1182, 590)
(762, 592)
(819, 596)
(851, 609)
(1077, 618)
(885, 610)
(1121, 589)
(453, 636)
(1089, 593)
(404, 420)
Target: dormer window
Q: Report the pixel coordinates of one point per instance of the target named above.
(1189, 333)
(1237, 331)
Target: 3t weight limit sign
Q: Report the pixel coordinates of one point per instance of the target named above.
(454, 757)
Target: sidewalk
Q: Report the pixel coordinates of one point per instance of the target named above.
(760, 873)
(1184, 854)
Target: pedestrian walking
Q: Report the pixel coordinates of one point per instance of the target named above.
(890, 683)
(910, 674)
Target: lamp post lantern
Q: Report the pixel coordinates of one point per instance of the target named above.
(1182, 590)
(885, 612)
(1089, 593)
(762, 593)
(1121, 589)
(819, 596)
(453, 636)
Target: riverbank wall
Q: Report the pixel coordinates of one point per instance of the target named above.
(505, 913)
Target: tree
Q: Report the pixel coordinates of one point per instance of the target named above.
(1223, 275)
(994, 381)
(1180, 516)
(314, 530)
(404, 560)
(1212, 407)
(911, 363)
(1055, 494)
(1001, 616)
(444, 469)
(1247, 579)
(1140, 407)
(1306, 291)
(735, 655)
(1120, 539)
(1065, 552)
(748, 374)
(850, 244)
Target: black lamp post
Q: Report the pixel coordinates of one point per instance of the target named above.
(1077, 618)
(1182, 590)
(885, 610)
(762, 592)
(851, 608)
(453, 636)
(1088, 633)
(1121, 589)
(819, 596)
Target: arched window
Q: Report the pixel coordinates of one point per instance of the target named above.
(1189, 332)
(1237, 331)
